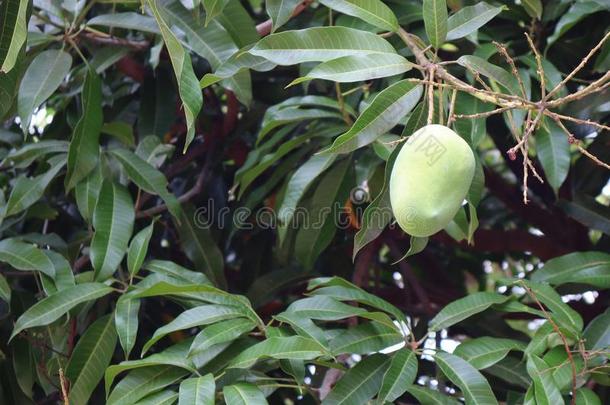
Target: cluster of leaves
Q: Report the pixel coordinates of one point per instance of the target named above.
(135, 135)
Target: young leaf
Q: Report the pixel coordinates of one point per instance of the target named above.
(474, 386)
(197, 391)
(579, 267)
(465, 307)
(113, 223)
(84, 151)
(400, 374)
(360, 383)
(13, 14)
(469, 19)
(54, 306)
(373, 12)
(126, 321)
(138, 249)
(243, 394)
(385, 111)
(44, 75)
(315, 45)
(435, 21)
(188, 86)
(89, 360)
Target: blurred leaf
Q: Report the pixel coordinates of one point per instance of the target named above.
(575, 14)
(280, 11)
(469, 19)
(597, 332)
(588, 212)
(463, 308)
(44, 75)
(120, 130)
(197, 391)
(141, 382)
(28, 153)
(323, 308)
(374, 12)
(213, 8)
(474, 386)
(314, 45)
(293, 347)
(127, 20)
(91, 355)
(510, 370)
(579, 267)
(5, 290)
(533, 8)
(54, 306)
(427, 396)
(113, 222)
(243, 394)
(486, 351)
(400, 374)
(86, 193)
(585, 396)
(13, 14)
(435, 19)
(385, 111)
(126, 321)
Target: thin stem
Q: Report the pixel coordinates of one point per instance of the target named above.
(341, 101)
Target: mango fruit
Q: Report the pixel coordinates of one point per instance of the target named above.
(430, 179)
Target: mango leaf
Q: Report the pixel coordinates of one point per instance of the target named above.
(292, 347)
(138, 249)
(533, 8)
(120, 130)
(213, 8)
(400, 374)
(86, 193)
(44, 75)
(25, 155)
(578, 11)
(315, 45)
(469, 19)
(172, 269)
(239, 62)
(221, 332)
(486, 351)
(192, 99)
(553, 152)
(165, 397)
(597, 332)
(243, 394)
(585, 396)
(113, 223)
(304, 327)
(141, 382)
(197, 391)
(280, 11)
(427, 396)
(360, 383)
(465, 307)
(13, 14)
(510, 370)
(435, 21)
(588, 212)
(355, 68)
(545, 388)
(54, 306)
(25, 256)
(323, 308)
(385, 111)
(84, 151)
(127, 20)
(365, 338)
(198, 316)
(199, 247)
(91, 356)
(373, 12)
(5, 290)
(579, 267)
(481, 66)
(474, 386)
(126, 321)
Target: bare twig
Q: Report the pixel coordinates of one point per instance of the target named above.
(540, 69)
(513, 67)
(451, 116)
(64, 387)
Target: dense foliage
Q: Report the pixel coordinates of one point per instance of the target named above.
(194, 202)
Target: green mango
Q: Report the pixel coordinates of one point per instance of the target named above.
(430, 179)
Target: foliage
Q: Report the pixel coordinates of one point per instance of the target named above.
(188, 186)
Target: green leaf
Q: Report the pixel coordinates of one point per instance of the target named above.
(126, 321)
(128, 20)
(41, 79)
(416, 245)
(469, 19)
(25, 256)
(553, 152)
(5, 290)
(28, 190)
(486, 351)
(197, 391)
(239, 24)
(141, 382)
(188, 86)
(319, 44)
(365, 338)
(172, 269)
(510, 370)
(84, 151)
(138, 249)
(304, 327)
(597, 332)
(579, 267)
(243, 394)
(113, 222)
(292, 347)
(30, 152)
(474, 386)
(54, 306)
(221, 332)
(435, 21)
(578, 11)
(360, 383)
(585, 396)
(199, 247)
(323, 308)
(400, 374)
(533, 8)
(545, 389)
(198, 316)
(86, 193)
(91, 356)
(385, 111)
(280, 11)
(165, 397)
(464, 308)
(481, 66)
(355, 68)
(120, 130)
(426, 396)
(588, 211)
(213, 8)
(473, 130)
(13, 14)
(373, 12)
